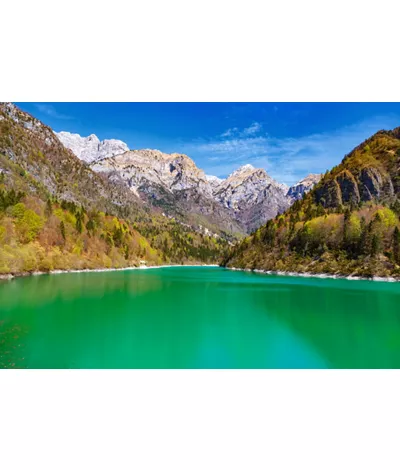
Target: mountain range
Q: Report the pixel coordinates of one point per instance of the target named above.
(68, 201)
(242, 202)
(72, 202)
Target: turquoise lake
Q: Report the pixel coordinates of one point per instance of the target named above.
(197, 317)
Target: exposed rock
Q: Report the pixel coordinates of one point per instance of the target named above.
(214, 181)
(141, 169)
(247, 198)
(253, 196)
(348, 187)
(90, 149)
(368, 184)
(298, 190)
(170, 181)
(373, 184)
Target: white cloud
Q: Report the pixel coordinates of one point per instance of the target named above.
(255, 128)
(285, 159)
(51, 111)
(230, 132)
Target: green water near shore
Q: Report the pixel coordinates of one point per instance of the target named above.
(197, 317)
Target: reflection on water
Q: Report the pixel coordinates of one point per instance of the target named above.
(197, 318)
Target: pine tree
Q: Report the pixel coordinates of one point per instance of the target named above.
(49, 208)
(346, 227)
(376, 244)
(396, 207)
(62, 229)
(79, 218)
(90, 226)
(363, 242)
(396, 245)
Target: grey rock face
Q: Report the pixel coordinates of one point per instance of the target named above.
(373, 184)
(90, 149)
(366, 184)
(142, 169)
(252, 195)
(214, 181)
(298, 190)
(348, 187)
(170, 181)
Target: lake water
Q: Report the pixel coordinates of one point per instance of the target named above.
(197, 317)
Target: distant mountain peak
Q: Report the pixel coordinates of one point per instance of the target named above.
(242, 170)
(90, 149)
(214, 181)
(298, 190)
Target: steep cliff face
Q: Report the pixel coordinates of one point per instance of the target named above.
(369, 173)
(90, 149)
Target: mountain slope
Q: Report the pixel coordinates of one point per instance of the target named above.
(33, 146)
(369, 173)
(171, 182)
(347, 224)
(57, 213)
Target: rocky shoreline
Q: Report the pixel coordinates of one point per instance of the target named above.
(320, 276)
(9, 277)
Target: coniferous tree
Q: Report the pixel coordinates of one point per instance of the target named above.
(62, 229)
(79, 218)
(376, 244)
(396, 207)
(396, 245)
(49, 208)
(346, 228)
(363, 242)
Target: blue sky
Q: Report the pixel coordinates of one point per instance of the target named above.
(289, 140)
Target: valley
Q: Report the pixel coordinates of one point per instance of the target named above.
(72, 202)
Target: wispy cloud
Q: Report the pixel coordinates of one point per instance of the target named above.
(230, 132)
(51, 111)
(254, 129)
(285, 159)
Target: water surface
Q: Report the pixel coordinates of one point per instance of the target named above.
(197, 317)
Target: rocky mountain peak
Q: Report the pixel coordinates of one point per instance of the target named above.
(248, 193)
(303, 186)
(142, 169)
(242, 171)
(90, 149)
(252, 195)
(214, 181)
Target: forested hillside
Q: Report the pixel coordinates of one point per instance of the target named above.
(56, 213)
(348, 224)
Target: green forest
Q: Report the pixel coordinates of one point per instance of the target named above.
(348, 224)
(38, 235)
